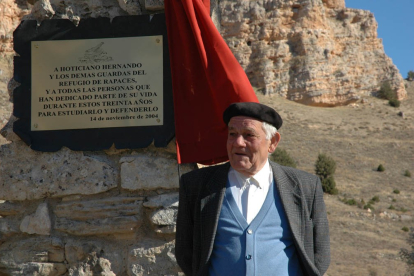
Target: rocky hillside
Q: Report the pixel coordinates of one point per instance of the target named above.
(313, 52)
(316, 52)
(359, 137)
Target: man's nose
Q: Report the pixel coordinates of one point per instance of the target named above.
(240, 141)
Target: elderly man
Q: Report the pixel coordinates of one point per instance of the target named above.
(252, 216)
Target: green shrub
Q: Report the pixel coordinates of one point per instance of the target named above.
(325, 166)
(396, 191)
(410, 75)
(405, 229)
(380, 168)
(375, 199)
(407, 173)
(368, 206)
(386, 92)
(394, 200)
(391, 207)
(402, 209)
(351, 201)
(283, 158)
(394, 103)
(329, 185)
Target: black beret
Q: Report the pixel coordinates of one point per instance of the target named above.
(255, 110)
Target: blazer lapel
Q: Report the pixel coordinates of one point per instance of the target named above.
(210, 207)
(294, 205)
(291, 197)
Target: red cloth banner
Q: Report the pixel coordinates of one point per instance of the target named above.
(206, 79)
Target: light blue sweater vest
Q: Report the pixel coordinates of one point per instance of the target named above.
(265, 247)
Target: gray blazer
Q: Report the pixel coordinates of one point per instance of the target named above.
(201, 197)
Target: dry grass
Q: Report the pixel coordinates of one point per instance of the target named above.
(359, 138)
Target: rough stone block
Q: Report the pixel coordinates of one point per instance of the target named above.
(132, 7)
(37, 223)
(27, 175)
(152, 257)
(164, 217)
(167, 230)
(95, 253)
(9, 209)
(164, 201)
(154, 5)
(42, 269)
(32, 256)
(8, 227)
(92, 263)
(145, 172)
(106, 226)
(100, 208)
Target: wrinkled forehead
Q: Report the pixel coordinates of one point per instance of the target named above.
(244, 122)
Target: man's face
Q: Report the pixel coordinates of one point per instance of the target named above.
(247, 146)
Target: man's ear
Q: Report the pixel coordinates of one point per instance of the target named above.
(273, 142)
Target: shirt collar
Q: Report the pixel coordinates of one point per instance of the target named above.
(262, 177)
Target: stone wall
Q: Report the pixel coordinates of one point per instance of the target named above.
(86, 213)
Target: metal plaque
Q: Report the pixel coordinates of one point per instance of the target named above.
(97, 83)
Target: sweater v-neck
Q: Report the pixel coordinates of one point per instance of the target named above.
(241, 220)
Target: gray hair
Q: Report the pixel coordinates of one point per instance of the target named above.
(269, 130)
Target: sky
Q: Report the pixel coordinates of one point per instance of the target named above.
(396, 28)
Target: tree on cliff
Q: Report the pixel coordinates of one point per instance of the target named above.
(410, 75)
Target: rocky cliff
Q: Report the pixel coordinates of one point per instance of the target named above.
(11, 13)
(311, 51)
(314, 52)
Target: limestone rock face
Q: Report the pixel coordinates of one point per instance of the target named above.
(52, 175)
(10, 14)
(313, 52)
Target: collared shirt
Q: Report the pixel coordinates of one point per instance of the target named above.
(257, 192)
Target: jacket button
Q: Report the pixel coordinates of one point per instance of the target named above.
(250, 231)
(248, 257)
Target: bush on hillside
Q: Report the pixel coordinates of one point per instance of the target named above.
(283, 158)
(407, 173)
(375, 199)
(394, 103)
(410, 75)
(380, 168)
(329, 185)
(386, 91)
(325, 167)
